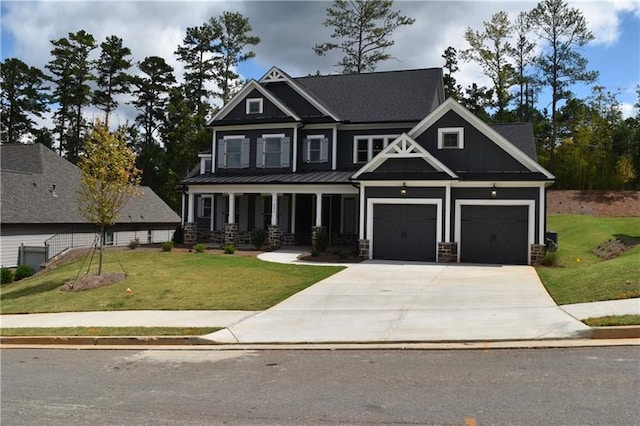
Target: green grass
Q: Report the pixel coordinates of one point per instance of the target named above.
(108, 331)
(582, 276)
(613, 321)
(166, 281)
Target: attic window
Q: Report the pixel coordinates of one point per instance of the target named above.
(254, 106)
(451, 138)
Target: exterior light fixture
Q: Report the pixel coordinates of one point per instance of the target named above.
(53, 191)
(403, 190)
(494, 191)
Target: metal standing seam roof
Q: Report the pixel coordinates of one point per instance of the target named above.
(316, 177)
(28, 173)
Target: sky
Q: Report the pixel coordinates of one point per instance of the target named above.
(289, 30)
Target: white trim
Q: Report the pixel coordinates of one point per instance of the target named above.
(265, 126)
(306, 153)
(447, 214)
(293, 213)
(334, 148)
(452, 105)
(276, 75)
(294, 160)
(531, 218)
(378, 126)
(251, 85)
(403, 147)
(459, 131)
(499, 183)
(214, 144)
(361, 234)
(372, 201)
(249, 101)
(541, 215)
(264, 149)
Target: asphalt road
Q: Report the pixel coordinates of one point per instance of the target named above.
(491, 387)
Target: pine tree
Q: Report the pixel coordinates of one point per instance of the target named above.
(24, 98)
(451, 87)
(362, 30)
(112, 79)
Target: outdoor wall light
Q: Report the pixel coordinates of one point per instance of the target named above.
(403, 190)
(494, 191)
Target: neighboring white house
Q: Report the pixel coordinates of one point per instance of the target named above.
(39, 208)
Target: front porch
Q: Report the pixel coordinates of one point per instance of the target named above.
(287, 216)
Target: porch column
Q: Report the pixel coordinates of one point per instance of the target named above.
(213, 211)
(274, 208)
(318, 209)
(232, 208)
(182, 209)
(293, 213)
(190, 211)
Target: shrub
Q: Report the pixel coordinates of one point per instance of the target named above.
(229, 248)
(167, 246)
(178, 235)
(315, 252)
(6, 276)
(259, 237)
(550, 259)
(134, 244)
(322, 240)
(23, 271)
(199, 248)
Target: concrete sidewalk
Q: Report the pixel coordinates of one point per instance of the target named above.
(583, 311)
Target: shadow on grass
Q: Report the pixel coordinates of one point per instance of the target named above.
(27, 291)
(628, 240)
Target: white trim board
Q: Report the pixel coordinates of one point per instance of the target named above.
(397, 201)
(530, 219)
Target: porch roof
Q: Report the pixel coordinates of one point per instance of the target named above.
(315, 177)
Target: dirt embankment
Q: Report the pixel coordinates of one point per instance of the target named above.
(594, 203)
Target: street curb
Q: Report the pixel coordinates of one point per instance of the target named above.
(616, 332)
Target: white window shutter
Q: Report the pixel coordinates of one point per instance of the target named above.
(244, 154)
(221, 154)
(260, 153)
(285, 154)
(324, 150)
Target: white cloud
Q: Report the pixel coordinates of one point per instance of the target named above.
(628, 110)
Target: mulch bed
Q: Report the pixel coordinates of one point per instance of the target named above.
(594, 203)
(614, 248)
(89, 281)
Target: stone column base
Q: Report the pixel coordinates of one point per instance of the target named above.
(363, 248)
(273, 236)
(231, 233)
(315, 231)
(447, 252)
(537, 254)
(190, 232)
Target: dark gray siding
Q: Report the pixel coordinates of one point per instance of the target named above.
(269, 110)
(253, 136)
(480, 154)
(503, 194)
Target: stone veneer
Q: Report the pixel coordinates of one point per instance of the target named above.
(537, 254)
(363, 248)
(231, 233)
(190, 232)
(288, 239)
(273, 236)
(315, 230)
(447, 252)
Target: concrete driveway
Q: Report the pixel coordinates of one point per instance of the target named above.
(383, 301)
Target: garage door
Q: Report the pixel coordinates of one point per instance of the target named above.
(494, 234)
(404, 232)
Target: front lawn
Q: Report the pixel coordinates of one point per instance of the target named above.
(582, 276)
(176, 280)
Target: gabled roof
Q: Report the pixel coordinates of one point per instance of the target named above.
(253, 85)
(28, 173)
(389, 96)
(494, 134)
(519, 134)
(404, 147)
(277, 75)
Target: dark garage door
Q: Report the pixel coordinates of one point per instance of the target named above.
(494, 234)
(404, 232)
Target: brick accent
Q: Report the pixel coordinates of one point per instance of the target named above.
(447, 252)
(363, 248)
(273, 236)
(231, 233)
(245, 238)
(190, 233)
(288, 239)
(537, 253)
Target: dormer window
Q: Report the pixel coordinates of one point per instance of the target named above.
(451, 138)
(254, 106)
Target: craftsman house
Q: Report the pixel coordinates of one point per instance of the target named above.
(40, 215)
(380, 162)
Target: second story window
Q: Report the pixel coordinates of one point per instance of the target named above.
(316, 149)
(367, 147)
(451, 138)
(233, 152)
(254, 106)
(272, 151)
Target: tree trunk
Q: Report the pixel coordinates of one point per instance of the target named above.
(102, 235)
